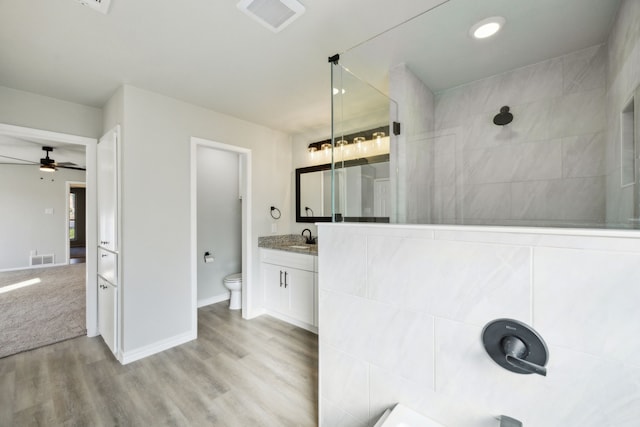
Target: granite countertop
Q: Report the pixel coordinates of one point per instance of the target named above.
(288, 242)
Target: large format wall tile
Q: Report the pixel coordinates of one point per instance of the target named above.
(574, 200)
(583, 155)
(333, 415)
(585, 70)
(578, 114)
(389, 337)
(557, 105)
(487, 201)
(588, 301)
(530, 121)
(514, 162)
(388, 389)
(463, 281)
(579, 390)
(350, 277)
(414, 337)
(347, 385)
(584, 199)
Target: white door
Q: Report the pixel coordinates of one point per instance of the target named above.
(381, 197)
(107, 154)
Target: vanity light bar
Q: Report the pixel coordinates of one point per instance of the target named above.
(370, 134)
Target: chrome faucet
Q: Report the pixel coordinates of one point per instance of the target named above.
(309, 240)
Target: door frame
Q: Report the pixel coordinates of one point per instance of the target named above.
(68, 186)
(91, 209)
(247, 254)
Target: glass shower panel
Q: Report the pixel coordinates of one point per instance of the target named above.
(362, 123)
(557, 161)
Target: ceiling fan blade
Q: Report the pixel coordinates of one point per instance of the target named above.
(78, 168)
(28, 162)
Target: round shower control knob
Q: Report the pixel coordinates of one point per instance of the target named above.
(515, 346)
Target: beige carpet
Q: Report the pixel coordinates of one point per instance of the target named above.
(41, 306)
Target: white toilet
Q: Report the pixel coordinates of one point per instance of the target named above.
(233, 282)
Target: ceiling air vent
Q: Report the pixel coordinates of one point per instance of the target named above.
(101, 6)
(273, 14)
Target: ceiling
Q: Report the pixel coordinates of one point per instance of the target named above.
(209, 53)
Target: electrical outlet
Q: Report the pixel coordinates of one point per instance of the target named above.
(274, 227)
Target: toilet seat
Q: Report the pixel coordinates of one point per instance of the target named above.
(233, 282)
(233, 278)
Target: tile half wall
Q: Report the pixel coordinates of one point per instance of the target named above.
(401, 310)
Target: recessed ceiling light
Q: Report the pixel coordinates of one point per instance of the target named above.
(487, 27)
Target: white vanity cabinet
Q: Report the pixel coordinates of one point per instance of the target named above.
(289, 283)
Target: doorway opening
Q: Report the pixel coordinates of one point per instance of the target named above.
(25, 140)
(243, 157)
(76, 222)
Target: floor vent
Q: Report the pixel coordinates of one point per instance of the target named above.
(273, 14)
(41, 259)
(101, 6)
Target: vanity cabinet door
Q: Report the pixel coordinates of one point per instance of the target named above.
(300, 295)
(274, 291)
(290, 292)
(107, 297)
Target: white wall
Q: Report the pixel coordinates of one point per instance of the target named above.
(156, 214)
(26, 193)
(402, 309)
(219, 221)
(28, 109)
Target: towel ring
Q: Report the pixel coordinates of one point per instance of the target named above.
(275, 213)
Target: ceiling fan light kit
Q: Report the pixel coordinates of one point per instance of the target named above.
(47, 164)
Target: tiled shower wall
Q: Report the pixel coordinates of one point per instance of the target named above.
(402, 309)
(623, 78)
(545, 168)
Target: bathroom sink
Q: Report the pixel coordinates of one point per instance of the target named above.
(401, 416)
(299, 247)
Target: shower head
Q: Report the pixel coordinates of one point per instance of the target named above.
(504, 117)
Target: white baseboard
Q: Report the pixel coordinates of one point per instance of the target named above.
(141, 353)
(213, 300)
(292, 321)
(252, 314)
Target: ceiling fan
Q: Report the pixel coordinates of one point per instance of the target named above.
(47, 164)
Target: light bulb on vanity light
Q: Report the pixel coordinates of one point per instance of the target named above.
(377, 136)
(359, 142)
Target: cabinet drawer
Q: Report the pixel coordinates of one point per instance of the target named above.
(108, 265)
(288, 259)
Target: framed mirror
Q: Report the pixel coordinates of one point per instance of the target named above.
(362, 191)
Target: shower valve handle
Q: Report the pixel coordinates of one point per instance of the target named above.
(515, 351)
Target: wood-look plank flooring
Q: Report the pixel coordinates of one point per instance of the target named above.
(259, 372)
